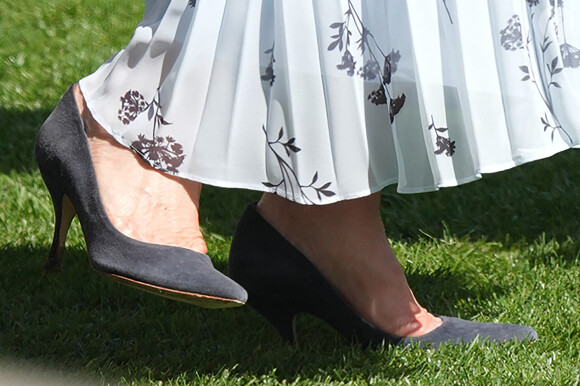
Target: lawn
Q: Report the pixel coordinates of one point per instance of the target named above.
(505, 248)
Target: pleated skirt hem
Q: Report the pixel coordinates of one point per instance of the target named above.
(327, 100)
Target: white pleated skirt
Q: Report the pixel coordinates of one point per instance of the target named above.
(326, 100)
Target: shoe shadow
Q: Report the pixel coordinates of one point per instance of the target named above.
(79, 321)
(87, 324)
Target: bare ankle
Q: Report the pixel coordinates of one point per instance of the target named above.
(346, 241)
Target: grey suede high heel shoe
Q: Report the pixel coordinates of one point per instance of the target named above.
(281, 283)
(64, 159)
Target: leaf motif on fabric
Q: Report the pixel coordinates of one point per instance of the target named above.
(543, 77)
(289, 183)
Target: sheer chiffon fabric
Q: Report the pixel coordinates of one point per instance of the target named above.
(326, 100)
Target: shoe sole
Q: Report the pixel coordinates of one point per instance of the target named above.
(200, 300)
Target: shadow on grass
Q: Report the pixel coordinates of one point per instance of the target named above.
(17, 134)
(87, 324)
(80, 321)
(532, 200)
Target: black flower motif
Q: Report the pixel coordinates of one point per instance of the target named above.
(132, 104)
(570, 55)
(370, 70)
(396, 106)
(269, 72)
(163, 153)
(511, 35)
(390, 65)
(367, 46)
(348, 63)
(269, 75)
(444, 145)
(378, 96)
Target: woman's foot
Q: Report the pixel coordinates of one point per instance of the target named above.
(346, 241)
(140, 201)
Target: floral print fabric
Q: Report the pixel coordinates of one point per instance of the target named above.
(326, 100)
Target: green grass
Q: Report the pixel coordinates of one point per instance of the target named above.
(505, 248)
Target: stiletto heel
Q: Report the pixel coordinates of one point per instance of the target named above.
(65, 163)
(64, 213)
(281, 282)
